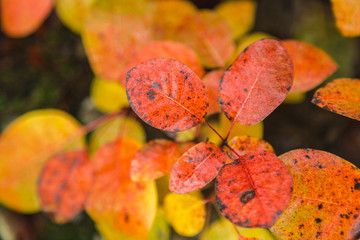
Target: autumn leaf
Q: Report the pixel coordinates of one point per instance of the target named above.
(254, 190)
(169, 15)
(311, 65)
(239, 14)
(154, 160)
(73, 13)
(167, 95)
(113, 32)
(108, 96)
(20, 18)
(341, 96)
(185, 213)
(319, 208)
(25, 146)
(245, 144)
(64, 184)
(166, 49)
(197, 167)
(212, 81)
(120, 207)
(119, 127)
(347, 16)
(256, 83)
(209, 35)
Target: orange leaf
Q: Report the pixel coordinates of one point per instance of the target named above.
(209, 35)
(166, 49)
(347, 16)
(154, 160)
(341, 96)
(256, 83)
(120, 207)
(325, 202)
(19, 18)
(197, 167)
(311, 65)
(167, 94)
(64, 185)
(244, 144)
(113, 32)
(212, 81)
(255, 190)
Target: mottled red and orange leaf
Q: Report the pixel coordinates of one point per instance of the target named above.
(120, 207)
(209, 35)
(64, 185)
(245, 144)
(256, 83)
(167, 94)
(197, 167)
(347, 16)
(166, 49)
(212, 80)
(255, 190)
(154, 160)
(19, 18)
(341, 96)
(113, 32)
(311, 65)
(325, 202)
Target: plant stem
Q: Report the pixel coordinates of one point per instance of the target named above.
(209, 200)
(228, 133)
(207, 124)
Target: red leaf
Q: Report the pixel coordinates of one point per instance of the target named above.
(167, 95)
(212, 81)
(154, 160)
(255, 190)
(341, 96)
(311, 65)
(197, 167)
(256, 83)
(64, 184)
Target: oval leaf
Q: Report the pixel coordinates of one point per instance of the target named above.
(209, 35)
(255, 190)
(167, 95)
(25, 145)
(197, 167)
(64, 185)
(120, 208)
(185, 213)
(325, 202)
(311, 65)
(20, 18)
(256, 83)
(341, 96)
(347, 18)
(154, 160)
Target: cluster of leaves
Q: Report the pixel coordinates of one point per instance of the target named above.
(151, 55)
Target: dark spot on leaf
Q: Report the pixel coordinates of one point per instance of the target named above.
(288, 88)
(342, 233)
(295, 161)
(247, 48)
(355, 216)
(318, 234)
(151, 94)
(344, 216)
(126, 217)
(247, 196)
(307, 156)
(357, 186)
(318, 220)
(301, 226)
(245, 90)
(320, 206)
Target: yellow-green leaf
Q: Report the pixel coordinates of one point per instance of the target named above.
(25, 145)
(160, 229)
(185, 212)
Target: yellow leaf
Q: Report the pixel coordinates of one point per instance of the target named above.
(295, 97)
(239, 14)
(185, 213)
(347, 16)
(25, 145)
(108, 96)
(118, 127)
(73, 13)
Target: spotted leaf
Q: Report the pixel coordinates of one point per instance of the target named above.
(167, 95)
(254, 190)
(311, 65)
(256, 83)
(325, 202)
(341, 96)
(64, 184)
(197, 167)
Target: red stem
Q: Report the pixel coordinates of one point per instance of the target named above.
(231, 127)
(209, 200)
(207, 124)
